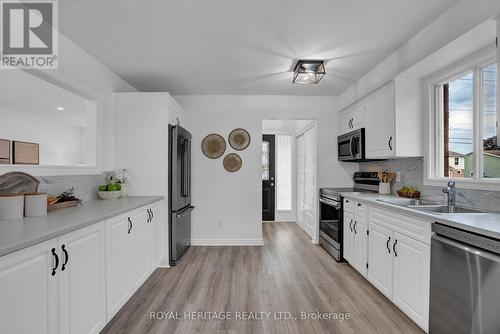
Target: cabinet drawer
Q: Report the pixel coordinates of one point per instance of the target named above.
(361, 210)
(348, 205)
(414, 228)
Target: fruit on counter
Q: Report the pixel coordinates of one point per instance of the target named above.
(110, 187)
(103, 187)
(409, 192)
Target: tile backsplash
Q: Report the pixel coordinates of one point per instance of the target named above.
(86, 186)
(412, 174)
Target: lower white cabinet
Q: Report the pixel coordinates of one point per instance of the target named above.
(412, 278)
(360, 252)
(348, 242)
(380, 259)
(131, 251)
(82, 281)
(75, 283)
(56, 286)
(28, 290)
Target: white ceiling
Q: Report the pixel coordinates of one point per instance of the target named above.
(242, 47)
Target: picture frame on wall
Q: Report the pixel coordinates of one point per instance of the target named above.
(25, 153)
(4, 152)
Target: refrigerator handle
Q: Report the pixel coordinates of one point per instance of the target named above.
(188, 158)
(184, 169)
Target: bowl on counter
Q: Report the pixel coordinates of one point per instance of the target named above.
(109, 195)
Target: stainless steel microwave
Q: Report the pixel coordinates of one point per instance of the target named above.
(351, 146)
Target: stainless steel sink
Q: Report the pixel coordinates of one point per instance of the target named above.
(444, 209)
(408, 202)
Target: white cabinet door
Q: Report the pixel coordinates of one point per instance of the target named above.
(141, 247)
(380, 258)
(360, 246)
(411, 278)
(348, 243)
(28, 290)
(82, 281)
(118, 264)
(157, 224)
(380, 123)
(352, 117)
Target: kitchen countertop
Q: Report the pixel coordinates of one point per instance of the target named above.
(487, 224)
(18, 234)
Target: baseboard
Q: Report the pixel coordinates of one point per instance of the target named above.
(227, 242)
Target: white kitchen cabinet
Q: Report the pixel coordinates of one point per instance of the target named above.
(131, 247)
(379, 131)
(411, 278)
(158, 234)
(392, 117)
(118, 253)
(82, 281)
(348, 243)
(28, 290)
(380, 259)
(360, 245)
(352, 118)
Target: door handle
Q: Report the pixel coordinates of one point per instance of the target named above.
(387, 245)
(66, 257)
(129, 225)
(272, 184)
(185, 212)
(56, 258)
(394, 247)
(350, 225)
(354, 227)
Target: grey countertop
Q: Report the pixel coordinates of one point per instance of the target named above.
(487, 224)
(19, 234)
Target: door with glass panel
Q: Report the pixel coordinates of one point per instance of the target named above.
(268, 178)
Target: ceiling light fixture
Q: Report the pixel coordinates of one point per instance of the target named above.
(60, 108)
(309, 71)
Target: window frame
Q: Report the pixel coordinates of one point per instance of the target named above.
(433, 164)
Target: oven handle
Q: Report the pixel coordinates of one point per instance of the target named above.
(350, 146)
(335, 204)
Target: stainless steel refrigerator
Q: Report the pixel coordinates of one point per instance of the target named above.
(180, 208)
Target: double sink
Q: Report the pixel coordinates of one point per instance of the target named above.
(427, 206)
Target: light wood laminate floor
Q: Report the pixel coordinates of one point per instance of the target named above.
(287, 274)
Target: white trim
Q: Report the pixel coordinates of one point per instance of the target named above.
(305, 129)
(227, 242)
(473, 63)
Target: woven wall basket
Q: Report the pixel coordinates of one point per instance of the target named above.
(239, 139)
(213, 146)
(232, 162)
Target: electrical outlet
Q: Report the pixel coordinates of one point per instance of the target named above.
(398, 176)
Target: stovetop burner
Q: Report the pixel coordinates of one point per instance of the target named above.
(366, 182)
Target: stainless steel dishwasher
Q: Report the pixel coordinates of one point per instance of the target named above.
(465, 282)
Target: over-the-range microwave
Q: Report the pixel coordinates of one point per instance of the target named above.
(351, 146)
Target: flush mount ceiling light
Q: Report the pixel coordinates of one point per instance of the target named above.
(309, 71)
(60, 108)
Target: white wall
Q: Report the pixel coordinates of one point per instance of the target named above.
(228, 206)
(459, 19)
(61, 143)
(85, 76)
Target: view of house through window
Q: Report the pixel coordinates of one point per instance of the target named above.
(284, 172)
(458, 105)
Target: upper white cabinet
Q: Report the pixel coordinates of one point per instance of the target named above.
(392, 118)
(353, 117)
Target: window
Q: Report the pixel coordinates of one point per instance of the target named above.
(465, 126)
(265, 161)
(284, 172)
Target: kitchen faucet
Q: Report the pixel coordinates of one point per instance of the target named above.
(450, 191)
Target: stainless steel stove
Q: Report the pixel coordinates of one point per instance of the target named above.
(330, 213)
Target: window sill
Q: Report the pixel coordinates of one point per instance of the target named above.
(483, 184)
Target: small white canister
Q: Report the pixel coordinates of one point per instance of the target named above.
(11, 207)
(384, 188)
(35, 205)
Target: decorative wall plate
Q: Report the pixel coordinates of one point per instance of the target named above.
(232, 162)
(239, 139)
(213, 146)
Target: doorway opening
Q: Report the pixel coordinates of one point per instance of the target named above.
(289, 169)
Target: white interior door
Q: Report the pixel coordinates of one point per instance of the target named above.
(307, 193)
(300, 181)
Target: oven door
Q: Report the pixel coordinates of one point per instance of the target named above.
(330, 226)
